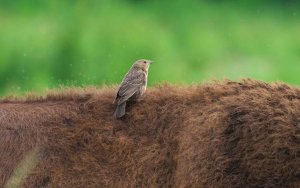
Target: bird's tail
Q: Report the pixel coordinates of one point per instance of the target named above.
(120, 111)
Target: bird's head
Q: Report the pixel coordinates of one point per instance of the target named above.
(142, 64)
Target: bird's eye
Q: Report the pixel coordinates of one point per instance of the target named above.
(145, 62)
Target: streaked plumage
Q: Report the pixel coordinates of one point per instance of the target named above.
(133, 86)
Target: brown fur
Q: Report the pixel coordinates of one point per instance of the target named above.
(221, 134)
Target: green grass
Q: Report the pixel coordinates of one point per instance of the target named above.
(44, 45)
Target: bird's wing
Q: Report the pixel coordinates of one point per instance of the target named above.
(130, 85)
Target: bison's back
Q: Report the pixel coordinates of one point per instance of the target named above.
(226, 134)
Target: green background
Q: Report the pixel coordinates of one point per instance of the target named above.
(45, 44)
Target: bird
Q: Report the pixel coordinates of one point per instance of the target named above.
(133, 86)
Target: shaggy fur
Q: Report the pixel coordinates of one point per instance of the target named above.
(221, 134)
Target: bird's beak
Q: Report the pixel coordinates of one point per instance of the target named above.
(151, 62)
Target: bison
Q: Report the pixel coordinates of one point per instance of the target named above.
(217, 134)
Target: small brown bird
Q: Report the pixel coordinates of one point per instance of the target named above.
(133, 85)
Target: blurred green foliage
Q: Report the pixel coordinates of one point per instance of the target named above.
(44, 44)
